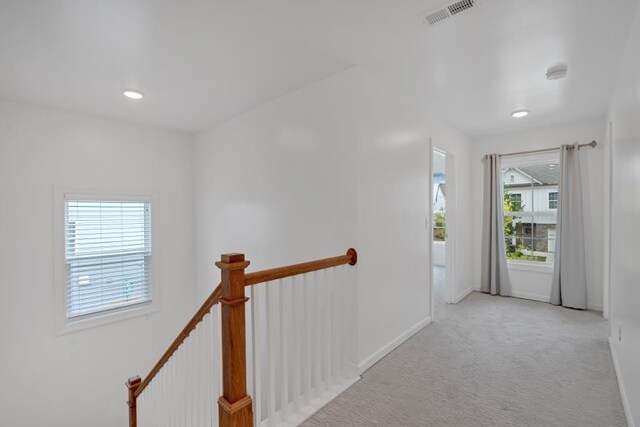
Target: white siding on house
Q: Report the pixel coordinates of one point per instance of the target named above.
(536, 201)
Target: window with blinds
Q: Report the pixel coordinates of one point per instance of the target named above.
(107, 255)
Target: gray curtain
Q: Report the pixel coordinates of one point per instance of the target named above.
(495, 276)
(569, 286)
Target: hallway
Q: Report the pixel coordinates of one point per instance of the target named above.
(490, 361)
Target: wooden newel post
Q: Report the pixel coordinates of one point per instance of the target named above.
(132, 385)
(235, 408)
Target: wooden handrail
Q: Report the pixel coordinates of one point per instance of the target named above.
(213, 299)
(250, 279)
(235, 405)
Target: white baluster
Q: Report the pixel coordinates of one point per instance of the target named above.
(284, 350)
(296, 333)
(194, 387)
(174, 388)
(309, 318)
(329, 325)
(215, 368)
(271, 408)
(317, 283)
(182, 380)
(339, 298)
(256, 317)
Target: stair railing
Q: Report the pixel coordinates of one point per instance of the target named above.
(235, 404)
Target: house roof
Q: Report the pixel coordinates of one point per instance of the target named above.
(545, 174)
(539, 174)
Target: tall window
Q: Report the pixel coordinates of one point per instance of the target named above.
(530, 203)
(107, 255)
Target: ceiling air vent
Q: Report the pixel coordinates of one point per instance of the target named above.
(437, 16)
(460, 6)
(445, 12)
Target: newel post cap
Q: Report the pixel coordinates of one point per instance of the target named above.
(233, 257)
(134, 382)
(232, 261)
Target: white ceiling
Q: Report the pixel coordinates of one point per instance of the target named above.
(198, 62)
(202, 61)
(484, 64)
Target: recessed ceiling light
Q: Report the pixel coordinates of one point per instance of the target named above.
(520, 113)
(132, 94)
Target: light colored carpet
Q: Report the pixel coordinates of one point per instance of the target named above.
(490, 361)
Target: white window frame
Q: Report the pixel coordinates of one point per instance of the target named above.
(557, 193)
(63, 323)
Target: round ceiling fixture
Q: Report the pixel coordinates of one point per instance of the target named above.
(557, 72)
(520, 113)
(133, 94)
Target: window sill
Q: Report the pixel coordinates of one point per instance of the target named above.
(100, 319)
(530, 266)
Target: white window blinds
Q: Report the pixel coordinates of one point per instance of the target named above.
(107, 254)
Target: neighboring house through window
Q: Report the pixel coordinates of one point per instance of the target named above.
(530, 200)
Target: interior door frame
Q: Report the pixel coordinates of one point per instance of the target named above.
(450, 227)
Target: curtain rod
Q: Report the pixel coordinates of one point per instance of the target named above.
(591, 144)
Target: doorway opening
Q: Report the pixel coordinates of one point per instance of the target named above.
(442, 202)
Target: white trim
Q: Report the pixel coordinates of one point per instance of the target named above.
(463, 295)
(532, 266)
(308, 410)
(607, 214)
(451, 226)
(543, 298)
(450, 235)
(62, 324)
(429, 225)
(388, 348)
(623, 392)
(532, 297)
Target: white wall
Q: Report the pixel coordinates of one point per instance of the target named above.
(535, 282)
(278, 182)
(78, 379)
(625, 235)
(343, 162)
(394, 179)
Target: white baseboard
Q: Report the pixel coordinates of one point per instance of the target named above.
(463, 295)
(388, 348)
(533, 297)
(623, 393)
(544, 298)
(307, 411)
